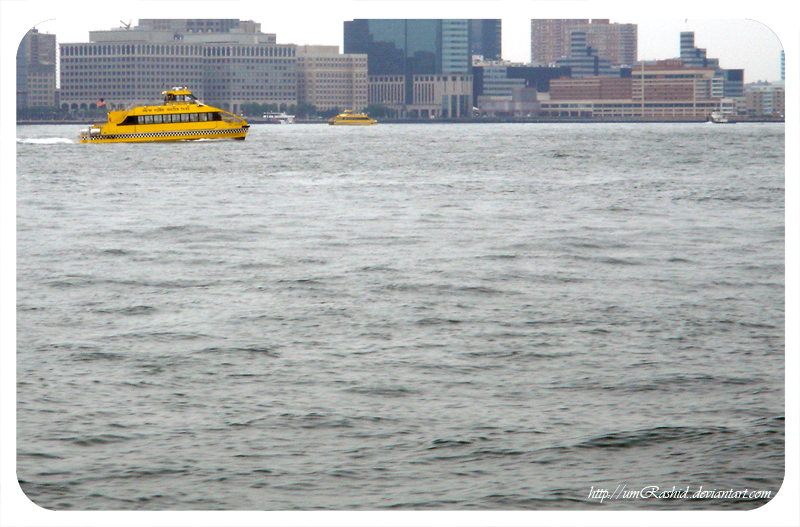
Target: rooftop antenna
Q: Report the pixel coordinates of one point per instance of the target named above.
(37, 23)
(128, 25)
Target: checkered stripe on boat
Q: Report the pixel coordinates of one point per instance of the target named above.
(183, 133)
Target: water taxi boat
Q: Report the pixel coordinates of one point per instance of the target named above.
(350, 118)
(180, 117)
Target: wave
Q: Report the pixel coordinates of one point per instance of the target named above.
(45, 141)
(646, 437)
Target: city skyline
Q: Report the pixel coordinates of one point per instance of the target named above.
(739, 44)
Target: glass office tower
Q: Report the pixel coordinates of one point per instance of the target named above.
(485, 37)
(413, 47)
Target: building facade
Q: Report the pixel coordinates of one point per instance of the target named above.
(36, 70)
(500, 80)
(440, 96)
(765, 100)
(223, 68)
(327, 79)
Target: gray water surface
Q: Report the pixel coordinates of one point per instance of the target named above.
(473, 316)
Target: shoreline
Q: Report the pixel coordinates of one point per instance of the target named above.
(478, 120)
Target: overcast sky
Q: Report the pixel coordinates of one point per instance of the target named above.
(737, 42)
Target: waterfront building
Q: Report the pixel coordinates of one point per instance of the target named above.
(660, 90)
(387, 90)
(327, 79)
(551, 40)
(522, 102)
(225, 63)
(441, 96)
(36, 70)
(430, 57)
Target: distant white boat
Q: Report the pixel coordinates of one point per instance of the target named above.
(279, 118)
(718, 118)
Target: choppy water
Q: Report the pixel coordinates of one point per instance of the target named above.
(401, 317)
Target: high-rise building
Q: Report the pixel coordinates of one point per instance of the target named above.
(429, 57)
(694, 57)
(410, 47)
(36, 70)
(225, 63)
(728, 82)
(616, 43)
(551, 40)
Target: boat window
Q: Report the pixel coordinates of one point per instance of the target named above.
(193, 117)
(203, 116)
(184, 117)
(148, 119)
(158, 119)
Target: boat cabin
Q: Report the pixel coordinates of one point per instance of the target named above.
(178, 94)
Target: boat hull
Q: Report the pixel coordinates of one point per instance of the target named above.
(171, 135)
(353, 124)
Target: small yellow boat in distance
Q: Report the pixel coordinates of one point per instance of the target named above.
(350, 118)
(181, 117)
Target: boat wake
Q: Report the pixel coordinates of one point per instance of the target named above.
(45, 141)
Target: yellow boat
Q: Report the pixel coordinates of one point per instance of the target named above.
(350, 118)
(180, 118)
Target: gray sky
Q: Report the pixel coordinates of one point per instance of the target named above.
(737, 42)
